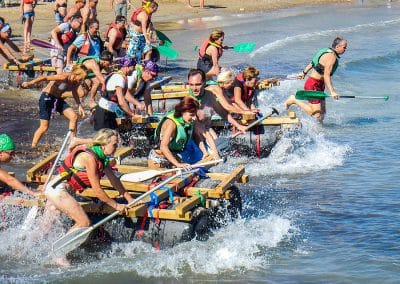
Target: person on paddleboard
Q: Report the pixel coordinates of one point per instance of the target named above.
(7, 152)
(82, 168)
(323, 65)
(173, 138)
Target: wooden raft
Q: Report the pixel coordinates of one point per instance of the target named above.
(188, 196)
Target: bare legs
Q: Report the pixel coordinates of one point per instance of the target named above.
(315, 110)
(69, 113)
(27, 35)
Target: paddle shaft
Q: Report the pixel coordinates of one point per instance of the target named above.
(143, 176)
(315, 95)
(274, 111)
(63, 146)
(85, 233)
(365, 97)
(43, 44)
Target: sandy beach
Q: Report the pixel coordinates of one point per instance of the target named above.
(168, 13)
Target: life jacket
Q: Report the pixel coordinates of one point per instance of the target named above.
(140, 85)
(206, 43)
(67, 37)
(78, 178)
(320, 68)
(136, 13)
(183, 133)
(85, 48)
(111, 95)
(247, 95)
(120, 35)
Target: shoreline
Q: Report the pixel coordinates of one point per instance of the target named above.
(167, 16)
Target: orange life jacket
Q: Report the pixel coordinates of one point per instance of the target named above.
(120, 36)
(78, 179)
(136, 13)
(203, 47)
(247, 95)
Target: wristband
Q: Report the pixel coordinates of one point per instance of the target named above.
(304, 73)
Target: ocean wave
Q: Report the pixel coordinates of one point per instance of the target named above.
(281, 43)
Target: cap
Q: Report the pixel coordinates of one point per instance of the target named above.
(127, 61)
(6, 143)
(106, 56)
(151, 66)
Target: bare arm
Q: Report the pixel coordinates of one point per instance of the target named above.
(328, 60)
(122, 102)
(54, 35)
(94, 179)
(71, 50)
(143, 18)
(112, 36)
(305, 71)
(57, 77)
(116, 183)
(75, 94)
(14, 183)
(232, 121)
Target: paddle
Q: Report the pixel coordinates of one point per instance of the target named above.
(43, 44)
(161, 36)
(315, 95)
(74, 239)
(168, 52)
(244, 47)
(145, 175)
(33, 211)
(274, 111)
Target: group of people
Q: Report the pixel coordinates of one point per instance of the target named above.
(184, 135)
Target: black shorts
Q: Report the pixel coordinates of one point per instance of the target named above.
(48, 103)
(104, 119)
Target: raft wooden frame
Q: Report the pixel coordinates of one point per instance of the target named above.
(189, 196)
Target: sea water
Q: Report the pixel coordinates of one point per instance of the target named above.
(324, 206)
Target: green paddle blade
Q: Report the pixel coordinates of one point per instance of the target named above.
(168, 52)
(244, 47)
(310, 95)
(164, 38)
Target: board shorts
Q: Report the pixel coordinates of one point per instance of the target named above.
(48, 104)
(137, 45)
(313, 84)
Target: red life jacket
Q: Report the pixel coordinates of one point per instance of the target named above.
(67, 37)
(203, 47)
(78, 179)
(247, 95)
(84, 50)
(120, 36)
(136, 13)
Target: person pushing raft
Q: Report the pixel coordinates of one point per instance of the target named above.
(324, 65)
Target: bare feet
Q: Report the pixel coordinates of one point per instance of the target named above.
(291, 100)
(62, 261)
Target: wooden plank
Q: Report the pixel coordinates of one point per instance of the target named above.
(172, 95)
(175, 88)
(31, 174)
(270, 121)
(122, 153)
(230, 180)
(189, 204)
(222, 176)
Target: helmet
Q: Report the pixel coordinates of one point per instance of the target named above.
(127, 61)
(6, 143)
(151, 66)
